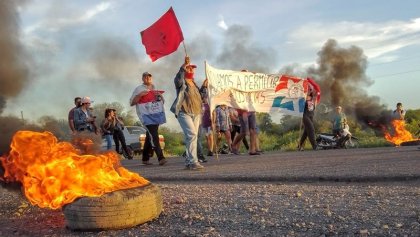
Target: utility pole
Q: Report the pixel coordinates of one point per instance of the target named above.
(21, 115)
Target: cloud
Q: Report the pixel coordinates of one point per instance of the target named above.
(376, 39)
(69, 21)
(222, 23)
(67, 18)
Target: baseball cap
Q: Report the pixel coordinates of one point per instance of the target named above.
(86, 100)
(146, 74)
(192, 65)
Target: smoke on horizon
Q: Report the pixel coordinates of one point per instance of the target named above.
(341, 73)
(14, 72)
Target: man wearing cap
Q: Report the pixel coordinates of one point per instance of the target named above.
(150, 121)
(84, 120)
(187, 109)
(338, 121)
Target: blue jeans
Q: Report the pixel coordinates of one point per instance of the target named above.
(108, 138)
(199, 145)
(190, 123)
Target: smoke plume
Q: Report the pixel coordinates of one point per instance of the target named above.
(240, 52)
(341, 73)
(13, 70)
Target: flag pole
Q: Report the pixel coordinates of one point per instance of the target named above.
(211, 114)
(185, 48)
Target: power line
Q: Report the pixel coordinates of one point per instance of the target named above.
(398, 73)
(404, 59)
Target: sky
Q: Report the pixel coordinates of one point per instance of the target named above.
(93, 48)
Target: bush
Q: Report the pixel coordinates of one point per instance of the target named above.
(174, 141)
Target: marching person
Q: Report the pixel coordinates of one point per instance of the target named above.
(248, 126)
(187, 109)
(223, 125)
(150, 110)
(236, 126)
(206, 124)
(308, 123)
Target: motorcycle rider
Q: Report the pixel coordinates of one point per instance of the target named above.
(338, 121)
(344, 134)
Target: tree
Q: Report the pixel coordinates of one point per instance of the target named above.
(59, 128)
(127, 116)
(289, 123)
(264, 121)
(412, 115)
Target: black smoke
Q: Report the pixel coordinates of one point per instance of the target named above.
(239, 51)
(14, 72)
(341, 73)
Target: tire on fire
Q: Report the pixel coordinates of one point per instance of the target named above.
(410, 143)
(115, 210)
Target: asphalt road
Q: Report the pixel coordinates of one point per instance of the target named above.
(346, 165)
(357, 192)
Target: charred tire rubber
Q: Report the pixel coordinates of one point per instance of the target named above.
(411, 143)
(115, 210)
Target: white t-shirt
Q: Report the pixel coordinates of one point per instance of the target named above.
(396, 115)
(139, 89)
(345, 131)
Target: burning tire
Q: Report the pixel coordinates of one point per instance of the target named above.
(410, 143)
(115, 210)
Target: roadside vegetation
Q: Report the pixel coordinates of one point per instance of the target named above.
(272, 136)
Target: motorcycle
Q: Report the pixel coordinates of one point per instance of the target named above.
(331, 141)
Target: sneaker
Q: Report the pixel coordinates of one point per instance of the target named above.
(224, 152)
(163, 161)
(146, 162)
(202, 160)
(300, 148)
(195, 166)
(254, 153)
(235, 152)
(210, 153)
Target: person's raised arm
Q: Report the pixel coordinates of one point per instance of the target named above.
(180, 76)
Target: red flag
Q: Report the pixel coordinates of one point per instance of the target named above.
(316, 87)
(163, 37)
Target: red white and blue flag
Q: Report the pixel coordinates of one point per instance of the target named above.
(291, 95)
(150, 110)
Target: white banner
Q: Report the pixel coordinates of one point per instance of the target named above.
(256, 91)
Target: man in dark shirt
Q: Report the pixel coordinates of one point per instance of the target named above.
(78, 103)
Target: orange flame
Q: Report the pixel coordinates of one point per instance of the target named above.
(55, 173)
(400, 135)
